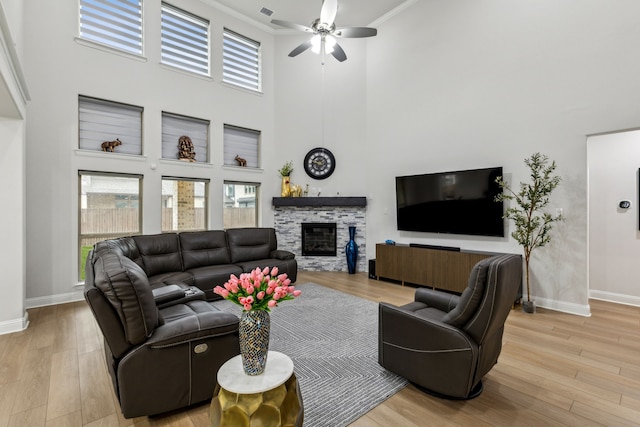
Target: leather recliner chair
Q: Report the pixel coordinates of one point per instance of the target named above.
(159, 359)
(445, 343)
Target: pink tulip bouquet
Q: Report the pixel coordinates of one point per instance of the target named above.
(258, 290)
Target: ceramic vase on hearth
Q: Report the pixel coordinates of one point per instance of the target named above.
(352, 251)
(254, 330)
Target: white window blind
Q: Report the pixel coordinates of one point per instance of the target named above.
(101, 121)
(115, 23)
(241, 63)
(241, 142)
(175, 127)
(185, 40)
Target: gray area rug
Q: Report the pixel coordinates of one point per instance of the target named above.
(332, 338)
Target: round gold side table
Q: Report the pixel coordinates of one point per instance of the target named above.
(270, 399)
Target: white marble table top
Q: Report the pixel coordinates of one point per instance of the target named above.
(278, 370)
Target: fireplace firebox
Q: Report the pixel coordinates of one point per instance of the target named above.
(319, 239)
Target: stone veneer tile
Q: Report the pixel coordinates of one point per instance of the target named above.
(288, 224)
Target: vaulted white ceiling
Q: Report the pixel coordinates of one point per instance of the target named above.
(350, 12)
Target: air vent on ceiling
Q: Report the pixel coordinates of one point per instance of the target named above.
(266, 11)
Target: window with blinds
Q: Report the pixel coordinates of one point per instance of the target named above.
(118, 126)
(184, 40)
(113, 23)
(185, 138)
(241, 62)
(243, 143)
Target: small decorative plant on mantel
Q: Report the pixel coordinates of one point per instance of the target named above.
(285, 172)
(286, 169)
(533, 224)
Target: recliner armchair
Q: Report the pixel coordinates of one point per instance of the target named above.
(159, 359)
(446, 343)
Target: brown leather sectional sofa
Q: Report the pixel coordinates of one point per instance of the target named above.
(204, 259)
(164, 343)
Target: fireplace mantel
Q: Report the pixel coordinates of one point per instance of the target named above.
(289, 213)
(319, 201)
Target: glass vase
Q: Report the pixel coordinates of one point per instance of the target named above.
(352, 251)
(254, 340)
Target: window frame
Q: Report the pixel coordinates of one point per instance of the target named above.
(188, 122)
(104, 236)
(206, 203)
(257, 194)
(109, 129)
(114, 23)
(229, 151)
(173, 14)
(235, 63)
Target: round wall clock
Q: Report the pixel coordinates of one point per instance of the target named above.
(319, 163)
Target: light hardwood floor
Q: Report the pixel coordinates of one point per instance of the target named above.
(555, 369)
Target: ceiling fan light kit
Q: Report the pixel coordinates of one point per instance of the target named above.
(325, 32)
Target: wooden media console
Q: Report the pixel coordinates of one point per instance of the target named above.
(434, 268)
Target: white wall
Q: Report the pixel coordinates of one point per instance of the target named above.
(334, 118)
(445, 85)
(469, 84)
(12, 226)
(13, 316)
(60, 68)
(14, 12)
(613, 232)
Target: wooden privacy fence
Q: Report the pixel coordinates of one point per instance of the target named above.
(102, 224)
(109, 221)
(99, 224)
(239, 217)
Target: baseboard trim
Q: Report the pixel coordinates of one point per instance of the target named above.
(614, 297)
(15, 325)
(565, 307)
(74, 296)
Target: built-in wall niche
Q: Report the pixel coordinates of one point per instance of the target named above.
(185, 138)
(241, 147)
(108, 126)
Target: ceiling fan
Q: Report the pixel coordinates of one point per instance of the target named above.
(325, 32)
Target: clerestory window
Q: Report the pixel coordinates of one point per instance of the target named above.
(184, 39)
(241, 61)
(113, 23)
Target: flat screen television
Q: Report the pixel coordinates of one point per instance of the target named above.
(459, 202)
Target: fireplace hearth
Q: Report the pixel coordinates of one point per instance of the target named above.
(319, 239)
(291, 212)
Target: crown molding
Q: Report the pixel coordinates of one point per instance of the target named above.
(240, 16)
(7, 45)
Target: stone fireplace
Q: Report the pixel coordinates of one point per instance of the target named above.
(291, 212)
(318, 239)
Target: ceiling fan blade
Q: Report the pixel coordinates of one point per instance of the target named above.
(355, 32)
(338, 53)
(292, 25)
(298, 50)
(328, 11)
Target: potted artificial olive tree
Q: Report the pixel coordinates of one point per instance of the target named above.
(532, 224)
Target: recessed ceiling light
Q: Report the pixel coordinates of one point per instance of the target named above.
(266, 11)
